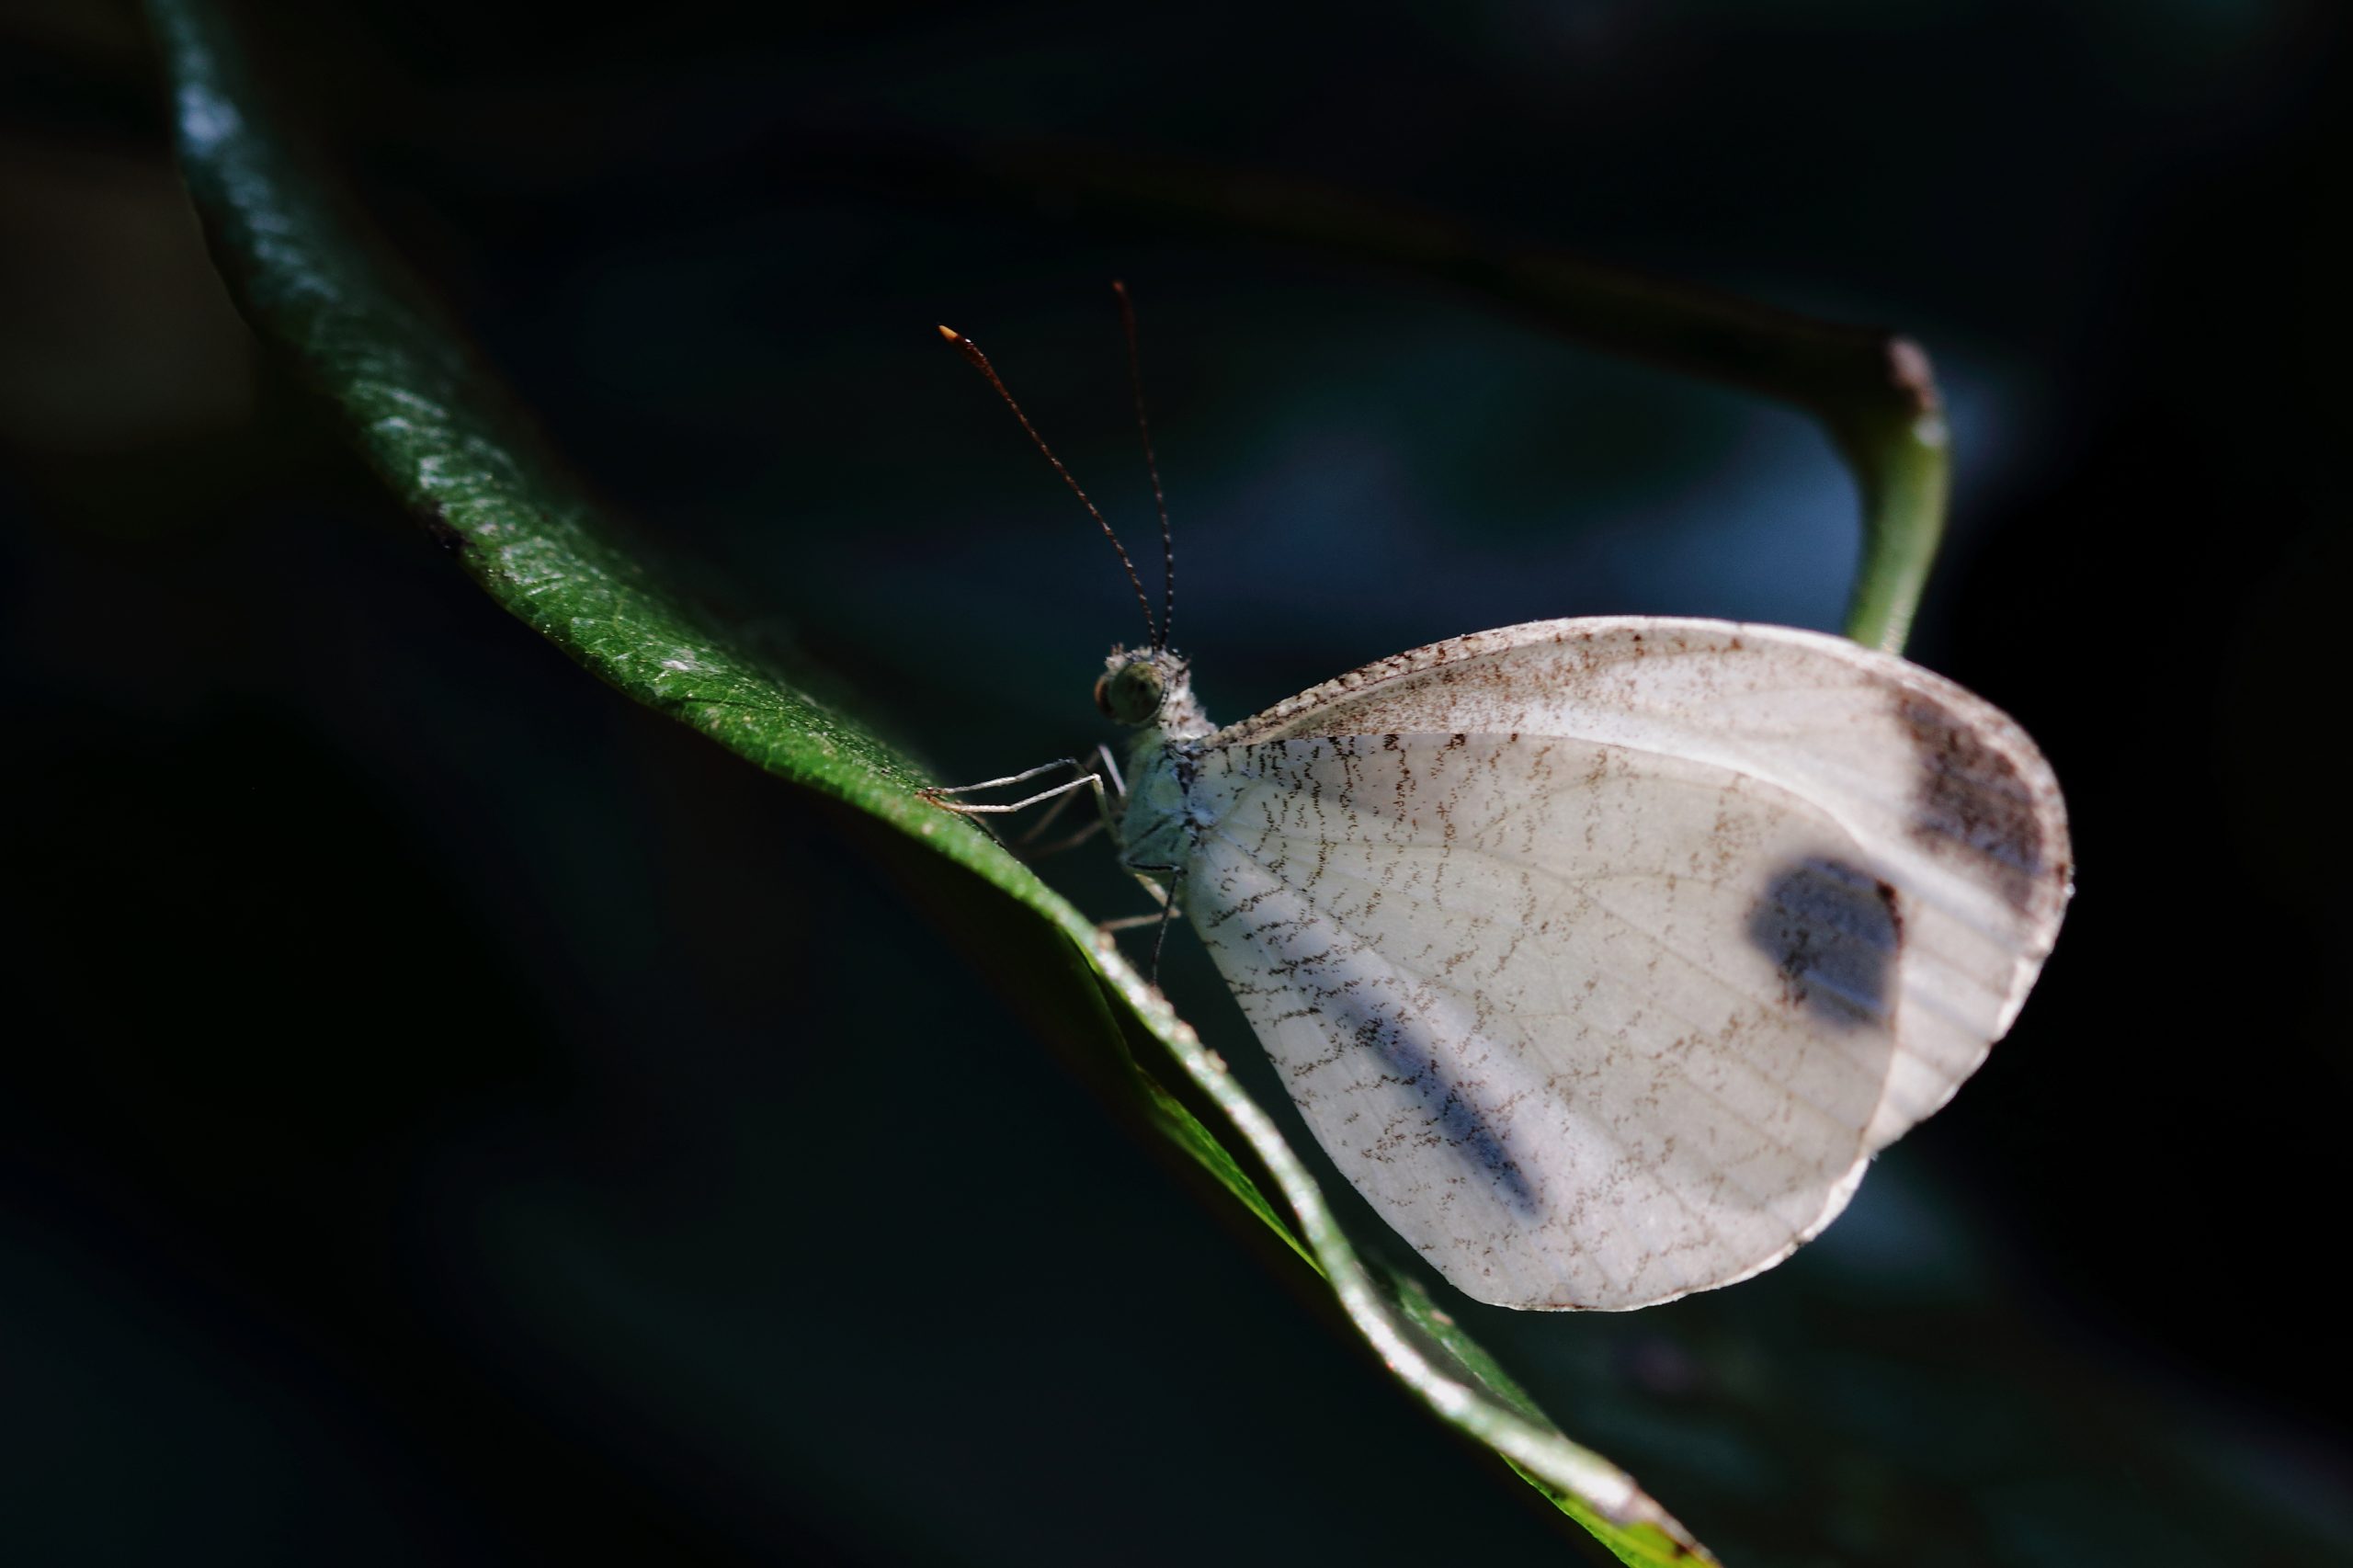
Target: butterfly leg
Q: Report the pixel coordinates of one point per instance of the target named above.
(1107, 765)
(1136, 922)
(1032, 851)
(1160, 895)
(1047, 817)
(1159, 922)
(937, 794)
(1160, 936)
(1112, 770)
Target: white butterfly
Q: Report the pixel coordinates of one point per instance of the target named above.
(1601, 955)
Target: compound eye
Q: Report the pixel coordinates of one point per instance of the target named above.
(1103, 695)
(1131, 694)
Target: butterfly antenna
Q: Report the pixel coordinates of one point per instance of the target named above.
(979, 361)
(1152, 466)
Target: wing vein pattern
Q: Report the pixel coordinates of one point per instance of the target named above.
(1602, 954)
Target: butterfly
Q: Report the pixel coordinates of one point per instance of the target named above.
(1600, 955)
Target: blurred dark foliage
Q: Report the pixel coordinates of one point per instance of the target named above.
(451, 1113)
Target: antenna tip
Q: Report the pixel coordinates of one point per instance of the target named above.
(1119, 287)
(951, 334)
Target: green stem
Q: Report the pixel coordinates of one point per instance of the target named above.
(1902, 464)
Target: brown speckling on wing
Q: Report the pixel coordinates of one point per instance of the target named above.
(1971, 798)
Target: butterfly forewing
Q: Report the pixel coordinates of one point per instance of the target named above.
(1601, 954)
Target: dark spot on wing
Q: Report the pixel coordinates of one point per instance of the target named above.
(1835, 933)
(1970, 800)
(1450, 1105)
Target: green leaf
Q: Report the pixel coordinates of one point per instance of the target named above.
(434, 427)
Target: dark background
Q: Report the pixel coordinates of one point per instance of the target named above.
(452, 1114)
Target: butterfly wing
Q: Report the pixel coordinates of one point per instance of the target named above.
(1601, 954)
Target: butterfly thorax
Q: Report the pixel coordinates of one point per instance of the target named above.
(1152, 690)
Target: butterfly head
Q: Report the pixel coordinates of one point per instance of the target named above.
(1142, 685)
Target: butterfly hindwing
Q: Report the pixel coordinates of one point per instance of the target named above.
(1601, 954)
(1591, 1028)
